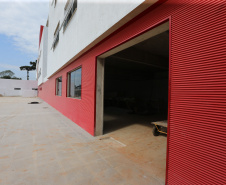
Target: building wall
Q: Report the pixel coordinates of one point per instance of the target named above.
(43, 57)
(91, 19)
(45, 54)
(7, 87)
(197, 95)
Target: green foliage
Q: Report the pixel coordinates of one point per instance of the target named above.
(29, 68)
(6, 77)
(8, 74)
(15, 78)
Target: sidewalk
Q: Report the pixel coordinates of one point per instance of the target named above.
(38, 145)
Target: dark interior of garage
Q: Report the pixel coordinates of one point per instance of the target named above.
(136, 84)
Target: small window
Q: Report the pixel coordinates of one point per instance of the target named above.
(69, 11)
(47, 22)
(59, 86)
(74, 83)
(56, 35)
(35, 89)
(17, 88)
(66, 5)
(54, 2)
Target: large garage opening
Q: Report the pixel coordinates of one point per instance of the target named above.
(136, 84)
(132, 89)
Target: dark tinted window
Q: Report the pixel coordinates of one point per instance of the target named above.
(74, 83)
(59, 86)
(70, 10)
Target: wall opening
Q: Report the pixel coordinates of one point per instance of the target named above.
(132, 93)
(17, 88)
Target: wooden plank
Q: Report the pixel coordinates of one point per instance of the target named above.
(160, 123)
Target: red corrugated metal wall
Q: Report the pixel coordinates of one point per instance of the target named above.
(197, 143)
(197, 115)
(197, 150)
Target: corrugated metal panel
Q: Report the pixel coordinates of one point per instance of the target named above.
(197, 143)
(197, 114)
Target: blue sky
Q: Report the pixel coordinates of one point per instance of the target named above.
(19, 33)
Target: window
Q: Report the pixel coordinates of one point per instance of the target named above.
(17, 88)
(56, 35)
(59, 86)
(47, 22)
(54, 2)
(35, 89)
(74, 83)
(66, 6)
(69, 11)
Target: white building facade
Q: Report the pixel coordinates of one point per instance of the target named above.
(87, 23)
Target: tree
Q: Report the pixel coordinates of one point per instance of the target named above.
(29, 68)
(8, 74)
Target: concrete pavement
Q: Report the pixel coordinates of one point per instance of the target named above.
(38, 145)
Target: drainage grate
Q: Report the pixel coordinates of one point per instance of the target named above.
(34, 102)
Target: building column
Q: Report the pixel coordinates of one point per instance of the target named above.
(99, 97)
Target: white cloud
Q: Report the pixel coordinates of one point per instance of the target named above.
(7, 66)
(21, 20)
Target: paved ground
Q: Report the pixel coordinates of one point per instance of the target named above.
(38, 145)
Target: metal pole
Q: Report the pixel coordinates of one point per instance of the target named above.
(27, 74)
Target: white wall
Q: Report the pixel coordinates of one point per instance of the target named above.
(43, 57)
(7, 87)
(92, 19)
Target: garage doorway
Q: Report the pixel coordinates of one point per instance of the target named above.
(132, 81)
(132, 94)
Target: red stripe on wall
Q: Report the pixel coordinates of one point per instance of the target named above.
(40, 34)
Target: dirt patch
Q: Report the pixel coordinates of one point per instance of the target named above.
(4, 157)
(39, 150)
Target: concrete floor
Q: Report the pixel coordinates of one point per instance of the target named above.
(38, 145)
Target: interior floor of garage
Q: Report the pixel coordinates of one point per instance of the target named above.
(117, 118)
(136, 94)
(136, 141)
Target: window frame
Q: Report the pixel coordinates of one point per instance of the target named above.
(68, 83)
(17, 88)
(56, 36)
(55, 3)
(68, 12)
(57, 85)
(66, 5)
